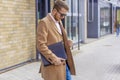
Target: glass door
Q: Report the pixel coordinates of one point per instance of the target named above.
(71, 20)
(105, 21)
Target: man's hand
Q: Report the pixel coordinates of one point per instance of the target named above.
(59, 61)
(70, 43)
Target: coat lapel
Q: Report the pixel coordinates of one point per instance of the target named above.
(68, 51)
(54, 27)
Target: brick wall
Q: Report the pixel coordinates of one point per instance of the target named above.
(17, 32)
(51, 4)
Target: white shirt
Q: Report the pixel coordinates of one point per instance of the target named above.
(57, 24)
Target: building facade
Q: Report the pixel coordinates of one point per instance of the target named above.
(99, 19)
(76, 21)
(17, 32)
(19, 19)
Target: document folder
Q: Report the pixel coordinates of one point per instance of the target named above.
(58, 50)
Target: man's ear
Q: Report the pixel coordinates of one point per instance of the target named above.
(54, 11)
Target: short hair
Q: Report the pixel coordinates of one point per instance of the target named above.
(60, 4)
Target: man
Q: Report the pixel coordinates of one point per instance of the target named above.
(117, 28)
(50, 30)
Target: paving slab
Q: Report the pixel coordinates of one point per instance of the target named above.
(97, 60)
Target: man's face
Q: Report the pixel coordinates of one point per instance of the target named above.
(60, 14)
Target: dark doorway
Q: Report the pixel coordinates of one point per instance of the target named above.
(42, 8)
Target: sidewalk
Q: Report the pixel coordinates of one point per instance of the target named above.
(98, 60)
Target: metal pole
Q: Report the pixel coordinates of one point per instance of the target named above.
(72, 20)
(78, 26)
(36, 11)
(46, 7)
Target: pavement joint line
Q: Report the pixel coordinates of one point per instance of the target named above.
(15, 66)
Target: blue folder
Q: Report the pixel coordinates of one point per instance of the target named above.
(58, 50)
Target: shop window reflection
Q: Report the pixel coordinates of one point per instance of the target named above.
(105, 20)
(71, 20)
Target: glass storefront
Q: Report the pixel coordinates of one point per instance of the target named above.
(72, 20)
(105, 27)
(118, 14)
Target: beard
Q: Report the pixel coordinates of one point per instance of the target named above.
(56, 18)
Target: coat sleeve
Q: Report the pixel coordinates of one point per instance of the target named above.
(42, 33)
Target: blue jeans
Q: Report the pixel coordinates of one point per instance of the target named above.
(68, 74)
(117, 31)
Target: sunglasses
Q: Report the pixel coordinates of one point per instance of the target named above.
(61, 14)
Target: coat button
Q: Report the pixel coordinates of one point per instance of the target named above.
(63, 63)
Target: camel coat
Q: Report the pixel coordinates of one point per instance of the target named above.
(47, 34)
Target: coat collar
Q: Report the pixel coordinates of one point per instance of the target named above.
(52, 22)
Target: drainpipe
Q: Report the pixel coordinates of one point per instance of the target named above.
(78, 26)
(36, 11)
